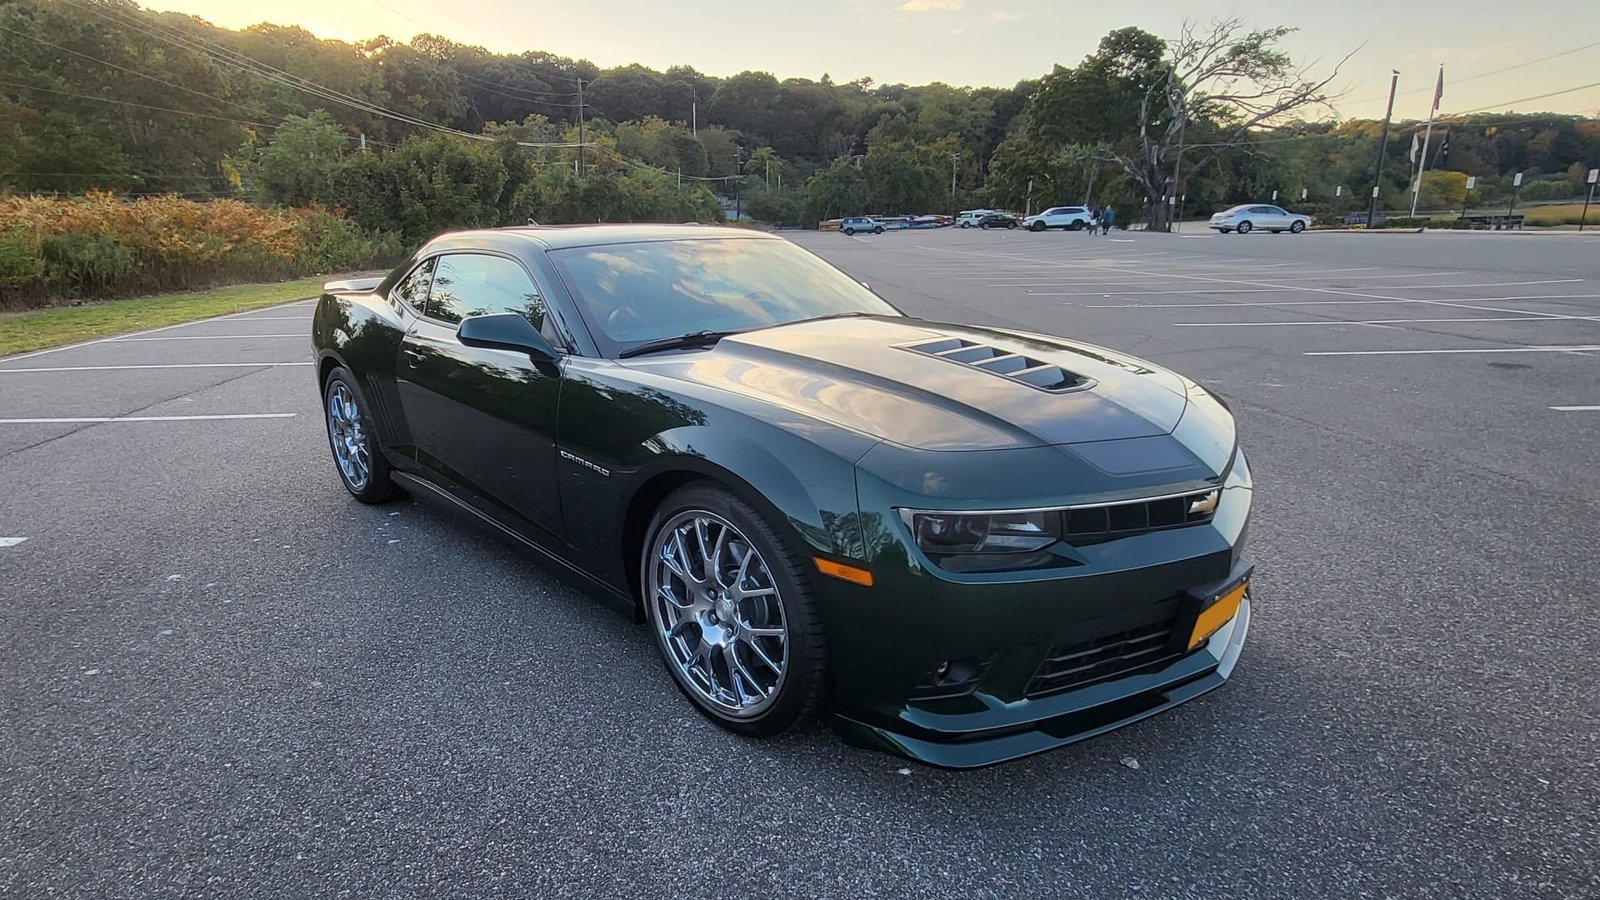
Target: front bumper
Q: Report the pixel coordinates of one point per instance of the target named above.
(1008, 731)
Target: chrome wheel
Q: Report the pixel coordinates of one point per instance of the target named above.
(349, 437)
(717, 613)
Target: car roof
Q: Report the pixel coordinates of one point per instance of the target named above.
(557, 237)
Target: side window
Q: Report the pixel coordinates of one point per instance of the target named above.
(1262, 210)
(413, 288)
(473, 284)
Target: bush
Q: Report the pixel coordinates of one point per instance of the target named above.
(100, 245)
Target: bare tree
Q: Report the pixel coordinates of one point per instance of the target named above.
(1226, 76)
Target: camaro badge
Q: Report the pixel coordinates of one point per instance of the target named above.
(1206, 505)
(585, 463)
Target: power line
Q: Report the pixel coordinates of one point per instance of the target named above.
(248, 64)
(1571, 90)
(113, 65)
(1510, 68)
(181, 112)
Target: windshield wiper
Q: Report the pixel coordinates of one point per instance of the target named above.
(681, 342)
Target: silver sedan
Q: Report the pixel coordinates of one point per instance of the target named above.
(1247, 218)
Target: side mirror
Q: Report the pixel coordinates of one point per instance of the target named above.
(506, 331)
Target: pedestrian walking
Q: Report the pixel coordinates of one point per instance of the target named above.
(1107, 216)
(1094, 218)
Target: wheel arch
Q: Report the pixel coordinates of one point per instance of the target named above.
(812, 521)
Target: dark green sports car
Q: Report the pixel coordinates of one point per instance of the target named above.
(966, 544)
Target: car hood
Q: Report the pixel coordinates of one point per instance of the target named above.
(934, 386)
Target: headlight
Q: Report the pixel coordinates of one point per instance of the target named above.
(942, 533)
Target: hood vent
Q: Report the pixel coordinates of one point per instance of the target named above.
(1015, 366)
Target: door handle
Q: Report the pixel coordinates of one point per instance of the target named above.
(415, 356)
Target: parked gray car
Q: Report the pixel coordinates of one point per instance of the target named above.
(1250, 217)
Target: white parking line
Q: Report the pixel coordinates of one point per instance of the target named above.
(204, 337)
(1453, 303)
(11, 541)
(1576, 408)
(276, 318)
(95, 420)
(22, 356)
(1579, 348)
(1388, 321)
(1295, 289)
(233, 365)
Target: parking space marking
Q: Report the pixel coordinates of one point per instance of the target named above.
(96, 420)
(204, 337)
(1578, 348)
(1576, 408)
(10, 541)
(1295, 289)
(104, 340)
(1454, 303)
(1538, 318)
(276, 319)
(227, 365)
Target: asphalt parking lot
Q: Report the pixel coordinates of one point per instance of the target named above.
(220, 676)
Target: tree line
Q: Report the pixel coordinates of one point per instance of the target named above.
(415, 136)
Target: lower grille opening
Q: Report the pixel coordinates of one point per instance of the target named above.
(1075, 665)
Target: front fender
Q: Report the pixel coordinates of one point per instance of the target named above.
(622, 440)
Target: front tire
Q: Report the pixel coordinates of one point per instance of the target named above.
(1297, 227)
(878, 230)
(1244, 227)
(1011, 226)
(361, 464)
(731, 609)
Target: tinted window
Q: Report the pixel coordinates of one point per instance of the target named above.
(1276, 211)
(413, 288)
(1261, 210)
(641, 292)
(471, 284)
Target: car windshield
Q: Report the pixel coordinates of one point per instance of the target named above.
(633, 293)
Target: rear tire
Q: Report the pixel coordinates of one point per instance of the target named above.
(966, 224)
(713, 573)
(984, 226)
(362, 467)
(1036, 227)
(849, 232)
(1076, 225)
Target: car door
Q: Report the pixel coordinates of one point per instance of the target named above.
(1280, 217)
(484, 420)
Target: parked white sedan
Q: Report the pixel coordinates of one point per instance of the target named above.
(1248, 218)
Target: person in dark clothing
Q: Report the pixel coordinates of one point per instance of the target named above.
(1107, 216)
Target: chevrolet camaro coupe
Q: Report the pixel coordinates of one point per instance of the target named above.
(965, 544)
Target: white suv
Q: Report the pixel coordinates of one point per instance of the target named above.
(1075, 218)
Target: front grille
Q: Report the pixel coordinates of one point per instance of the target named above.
(1015, 366)
(1102, 522)
(1113, 655)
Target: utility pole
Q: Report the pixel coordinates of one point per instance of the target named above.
(769, 173)
(955, 160)
(694, 111)
(582, 140)
(1383, 149)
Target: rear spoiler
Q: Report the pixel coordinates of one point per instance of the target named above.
(352, 285)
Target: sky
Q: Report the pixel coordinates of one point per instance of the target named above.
(1000, 42)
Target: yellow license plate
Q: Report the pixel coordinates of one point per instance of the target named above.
(1217, 614)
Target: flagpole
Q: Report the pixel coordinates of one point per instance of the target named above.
(1422, 164)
